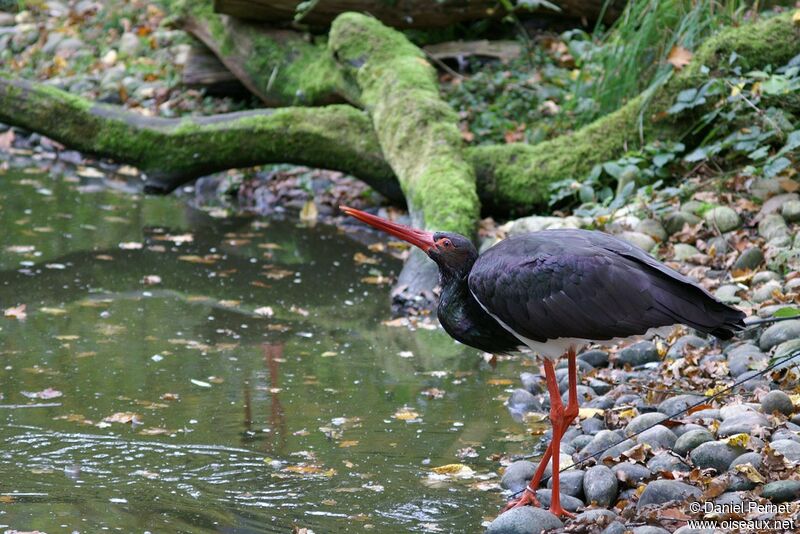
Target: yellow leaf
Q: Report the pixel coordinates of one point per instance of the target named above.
(679, 57)
(796, 17)
(499, 381)
(405, 414)
(586, 413)
(630, 413)
(348, 443)
(713, 391)
(359, 257)
(449, 469)
(309, 213)
(750, 472)
(737, 440)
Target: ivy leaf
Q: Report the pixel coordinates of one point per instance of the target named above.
(775, 166)
(787, 312)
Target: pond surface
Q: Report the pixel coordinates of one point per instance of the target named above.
(177, 372)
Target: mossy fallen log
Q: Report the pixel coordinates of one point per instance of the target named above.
(175, 151)
(517, 176)
(281, 67)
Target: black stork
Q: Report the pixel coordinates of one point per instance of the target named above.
(555, 292)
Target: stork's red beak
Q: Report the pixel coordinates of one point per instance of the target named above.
(418, 238)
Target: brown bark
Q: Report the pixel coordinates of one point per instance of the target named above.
(403, 13)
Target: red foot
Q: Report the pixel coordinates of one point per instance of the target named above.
(559, 512)
(528, 498)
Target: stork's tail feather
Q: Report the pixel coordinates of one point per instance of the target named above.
(731, 323)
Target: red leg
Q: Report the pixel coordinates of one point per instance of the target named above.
(557, 417)
(562, 422)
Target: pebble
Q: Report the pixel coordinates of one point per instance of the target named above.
(745, 423)
(638, 354)
(791, 211)
(750, 259)
(130, 44)
(638, 239)
(715, 455)
(678, 403)
(727, 294)
(641, 422)
(571, 483)
(764, 292)
(683, 252)
(788, 448)
(691, 440)
(516, 476)
(600, 486)
(772, 226)
(652, 228)
(524, 520)
(631, 474)
(777, 401)
(536, 223)
(647, 529)
(745, 358)
(69, 46)
(667, 462)
(678, 348)
(6, 19)
(614, 528)
(522, 401)
(595, 516)
(532, 382)
(658, 437)
(675, 221)
(778, 333)
(762, 277)
(568, 502)
(662, 491)
(781, 490)
(595, 358)
(723, 218)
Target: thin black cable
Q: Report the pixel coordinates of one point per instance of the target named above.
(720, 393)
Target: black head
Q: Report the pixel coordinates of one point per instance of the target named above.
(453, 253)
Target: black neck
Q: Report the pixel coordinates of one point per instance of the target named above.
(465, 320)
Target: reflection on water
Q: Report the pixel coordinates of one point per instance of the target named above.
(175, 372)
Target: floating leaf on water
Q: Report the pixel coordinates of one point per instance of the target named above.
(123, 417)
(307, 469)
(328, 354)
(177, 239)
(348, 443)
(405, 354)
(89, 172)
(406, 414)
(131, 245)
(151, 280)
(264, 311)
(453, 470)
(21, 249)
(48, 393)
(500, 381)
(363, 259)
(17, 312)
(208, 259)
(200, 383)
(155, 431)
(53, 311)
(309, 212)
(298, 310)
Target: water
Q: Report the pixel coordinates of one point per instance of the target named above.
(254, 388)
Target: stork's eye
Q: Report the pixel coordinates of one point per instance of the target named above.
(446, 243)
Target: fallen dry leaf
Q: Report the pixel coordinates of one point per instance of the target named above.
(679, 57)
(17, 312)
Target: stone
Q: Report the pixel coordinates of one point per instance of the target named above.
(647, 529)
(592, 425)
(791, 211)
(595, 358)
(763, 277)
(752, 458)
(745, 423)
(568, 502)
(765, 291)
(667, 462)
(678, 403)
(638, 239)
(522, 401)
(691, 440)
(775, 204)
(53, 38)
(6, 19)
(675, 221)
(69, 46)
(684, 252)
(652, 228)
(781, 491)
(643, 421)
(600, 486)
(663, 491)
(658, 437)
(532, 383)
(678, 348)
(727, 294)
(617, 449)
(638, 354)
(777, 401)
(715, 455)
(517, 475)
(723, 218)
(524, 520)
(614, 528)
(746, 358)
(785, 433)
(130, 44)
(581, 441)
(749, 259)
(631, 474)
(790, 449)
(772, 226)
(571, 483)
(598, 386)
(601, 440)
(693, 206)
(536, 223)
(680, 430)
(778, 333)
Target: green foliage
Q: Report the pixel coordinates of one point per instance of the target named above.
(633, 53)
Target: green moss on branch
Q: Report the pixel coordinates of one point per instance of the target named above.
(174, 151)
(416, 129)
